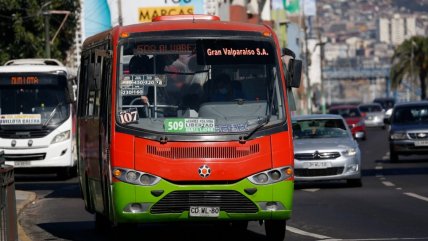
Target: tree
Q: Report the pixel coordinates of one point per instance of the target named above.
(410, 60)
(23, 31)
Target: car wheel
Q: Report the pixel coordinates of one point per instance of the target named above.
(354, 182)
(275, 230)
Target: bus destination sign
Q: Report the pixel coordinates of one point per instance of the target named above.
(24, 80)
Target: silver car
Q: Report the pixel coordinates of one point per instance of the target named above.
(325, 150)
(373, 114)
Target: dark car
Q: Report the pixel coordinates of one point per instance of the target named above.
(386, 102)
(353, 118)
(409, 129)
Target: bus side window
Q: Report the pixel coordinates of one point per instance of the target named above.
(83, 86)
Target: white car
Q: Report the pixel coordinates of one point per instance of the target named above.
(373, 115)
(324, 149)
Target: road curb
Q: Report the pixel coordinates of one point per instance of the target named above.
(20, 205)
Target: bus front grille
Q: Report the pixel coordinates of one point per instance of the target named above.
(179, 201)
(24, 134)
(203, 152)
(25, 157)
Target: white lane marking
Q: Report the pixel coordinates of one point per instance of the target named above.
(378, 167)
(375, 239)
(386, 157)
(399, 188)
(304, 233)
(326, 238)
(417, 196)
(388, 184)
(311, 189)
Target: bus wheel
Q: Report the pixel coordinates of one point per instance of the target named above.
(102, 223)
(275, 230)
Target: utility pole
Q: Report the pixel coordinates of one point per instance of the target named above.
(47, 40)
(119, 8)
(307, 58)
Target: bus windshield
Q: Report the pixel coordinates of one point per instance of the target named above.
(40, 102)
(199, 86)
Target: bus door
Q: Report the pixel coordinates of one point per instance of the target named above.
(92, 156)
(104, 122)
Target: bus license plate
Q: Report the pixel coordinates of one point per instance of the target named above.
(204, 211)
(316, 165)
(22, 164)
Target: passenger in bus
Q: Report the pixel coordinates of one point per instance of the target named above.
(139, 64)
(225, 89)
(171, 94)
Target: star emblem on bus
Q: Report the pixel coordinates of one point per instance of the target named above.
(204, 171)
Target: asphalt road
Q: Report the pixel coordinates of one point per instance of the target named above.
(391, 205)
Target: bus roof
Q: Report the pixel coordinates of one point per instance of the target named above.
(34, 61)
(182, 24)
(30, 68)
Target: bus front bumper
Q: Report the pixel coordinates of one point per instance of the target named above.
(166, 202)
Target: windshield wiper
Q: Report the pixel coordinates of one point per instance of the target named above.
(262, 122)
(266, 119)
(52, 114)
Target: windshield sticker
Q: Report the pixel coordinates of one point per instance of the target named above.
(182, 125)
(134, 84)
(128, 116)
(139, 81)
(238, 127)
(22, 119)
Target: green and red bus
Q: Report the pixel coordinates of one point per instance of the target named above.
(158, 138)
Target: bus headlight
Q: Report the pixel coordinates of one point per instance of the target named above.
(271, 176)
(63, 136)
(135, 177)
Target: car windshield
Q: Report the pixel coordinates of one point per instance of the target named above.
(346, 112)
(411, 115)
(21, 105)
(370, 108)
(198, 86)
(319, 128)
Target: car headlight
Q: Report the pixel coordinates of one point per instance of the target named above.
(350, 152)
(135, 177)
(398, 136)
(272, 175)
(63, 136)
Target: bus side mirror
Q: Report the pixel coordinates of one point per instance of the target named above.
(72, 90)
(295, 67)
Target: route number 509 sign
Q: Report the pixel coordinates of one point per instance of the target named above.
(189, 125)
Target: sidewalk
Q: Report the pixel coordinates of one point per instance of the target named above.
(22, 199)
